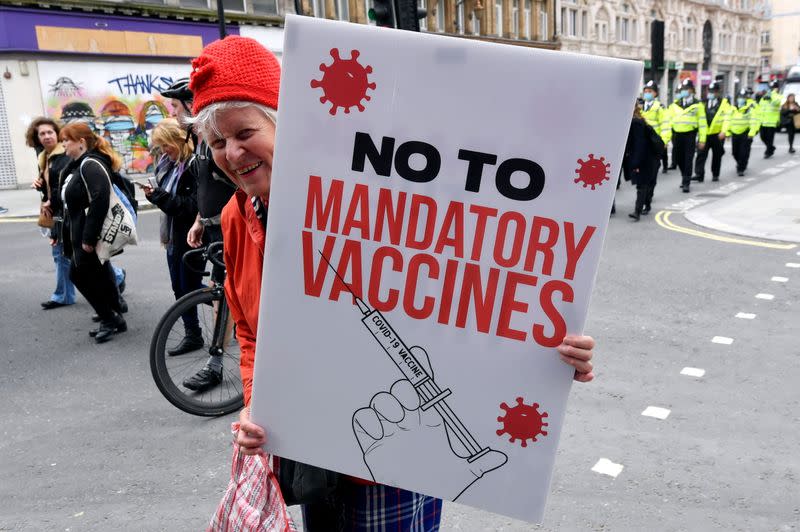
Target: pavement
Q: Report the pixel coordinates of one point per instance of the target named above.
(768, 210)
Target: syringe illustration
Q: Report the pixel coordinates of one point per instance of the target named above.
(431, 396)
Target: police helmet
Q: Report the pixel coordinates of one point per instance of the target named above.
(748, 91)
(775, 84)
(714, 86)
(687, 84)
(179, 90)
(652, 85)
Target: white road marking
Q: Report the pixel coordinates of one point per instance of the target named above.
(772, 171)
(687, 204)
(656, 412)
(604, 466)
(745, 315)
(750, 179)
(780, 279)
(793, 264)
(722, 340)
(693, 372)
(768, 297)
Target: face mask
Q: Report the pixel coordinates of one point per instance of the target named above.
(648, 96)
(740, 101)
(712, 97)
(684, 93)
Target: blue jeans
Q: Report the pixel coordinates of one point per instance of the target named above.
(65, 290)
(118, 275)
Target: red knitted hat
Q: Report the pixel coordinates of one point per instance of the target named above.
(235, 68)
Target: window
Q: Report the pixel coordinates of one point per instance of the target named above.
(317, 7)
(623, 27)
(460, 19)
(440, 25)
(601, 30)
(498, 18)
(423, 22)
(476, 23)
(270, 7)
(569, 21)
(527, 19)
(543, 23)
(515, 19)
(765, 38)
(584, 24)
(197, 4)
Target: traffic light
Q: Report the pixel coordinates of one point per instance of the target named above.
(409, 14)
(382, 12)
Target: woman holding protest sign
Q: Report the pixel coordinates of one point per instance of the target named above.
(86, 191)
(235, 82)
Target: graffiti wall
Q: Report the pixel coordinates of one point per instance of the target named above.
(120, 101)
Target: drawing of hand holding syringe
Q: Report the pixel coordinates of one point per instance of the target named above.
(413, 414)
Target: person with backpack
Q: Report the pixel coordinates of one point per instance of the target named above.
(176, 196)
(85, 193)
(643, 151)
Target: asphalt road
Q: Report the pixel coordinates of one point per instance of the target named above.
(89, 444)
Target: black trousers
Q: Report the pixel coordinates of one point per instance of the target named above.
(740, 145)
(184, 280)
(717, 148)
(684, 144)
(674, 152)
(96, 282)
(664, 157)
(767, 135)
(790, 130)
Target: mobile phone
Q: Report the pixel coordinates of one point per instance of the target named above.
(139, 184)
(152, 182)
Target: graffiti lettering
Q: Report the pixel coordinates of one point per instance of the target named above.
(134, 84)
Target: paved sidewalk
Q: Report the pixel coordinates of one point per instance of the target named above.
(769, 210)
(24, 203)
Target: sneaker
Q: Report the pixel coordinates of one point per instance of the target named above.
(49, 305)
(646, 209)
(203, 380)
(791, 150)
(3, 210)
(685, 188)
(634, 215)
(123, 305)
(740, 173)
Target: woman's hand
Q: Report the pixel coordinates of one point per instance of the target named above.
(87, 248)
(195, 235)
(148, 190)
(250, 437)
(46, 209)
(577, 352)
(38, 184)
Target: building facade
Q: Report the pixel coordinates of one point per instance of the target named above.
(781, 36)
(703, 39)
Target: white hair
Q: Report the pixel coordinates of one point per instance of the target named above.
(206, 120)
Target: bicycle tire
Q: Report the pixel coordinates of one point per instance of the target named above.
(169, 371)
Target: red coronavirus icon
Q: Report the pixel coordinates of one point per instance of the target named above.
(522, 422)
(344, 82)
(592, 172)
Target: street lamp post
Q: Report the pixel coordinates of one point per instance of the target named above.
(221, 17)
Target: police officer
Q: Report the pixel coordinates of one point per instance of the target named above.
(743, 124)
(213, 192)
(687, 116)
(655, 115)
(717, 110)
(769, 108)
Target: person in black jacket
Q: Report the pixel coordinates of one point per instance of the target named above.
(42, 136)
(86, 190)
(176, 196)
(641, 162)
(214, 190)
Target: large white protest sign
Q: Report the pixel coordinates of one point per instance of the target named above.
(436, 218)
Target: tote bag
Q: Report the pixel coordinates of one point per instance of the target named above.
(119, 226)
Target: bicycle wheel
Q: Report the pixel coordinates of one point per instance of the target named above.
(169, 372)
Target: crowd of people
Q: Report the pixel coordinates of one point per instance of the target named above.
(696, 127)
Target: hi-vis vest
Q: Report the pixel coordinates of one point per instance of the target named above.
(770, 109)
(744, 119)
(692, 118)
(720, 121)
(656, 117)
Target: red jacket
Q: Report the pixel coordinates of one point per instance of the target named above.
(244, 237)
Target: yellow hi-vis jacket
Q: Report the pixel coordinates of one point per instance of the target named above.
(656, 117)
(689, 118)
(720, 121)
(744, 119)
(770, 109)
